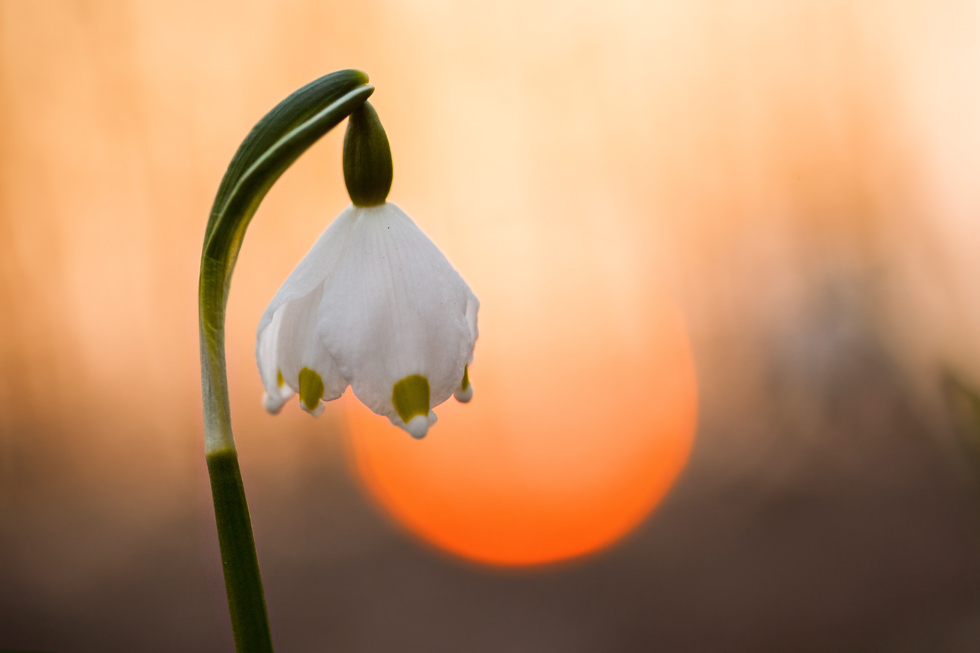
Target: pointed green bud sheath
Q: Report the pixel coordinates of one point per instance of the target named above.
(367, 158)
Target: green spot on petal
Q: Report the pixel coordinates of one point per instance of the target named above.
(281, 381)
(311, 388)
(466, 378)
(411, 397)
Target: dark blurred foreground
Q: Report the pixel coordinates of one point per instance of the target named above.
(852, 527)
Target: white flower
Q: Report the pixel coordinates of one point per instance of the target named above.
(375, 305)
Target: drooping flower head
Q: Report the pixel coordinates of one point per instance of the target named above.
(374, 305)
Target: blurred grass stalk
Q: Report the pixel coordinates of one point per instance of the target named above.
(963, 400)
(270, 148)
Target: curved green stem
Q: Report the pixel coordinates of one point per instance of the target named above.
(272, 146)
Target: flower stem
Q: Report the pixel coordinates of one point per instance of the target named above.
(271, 147)
(246, 599)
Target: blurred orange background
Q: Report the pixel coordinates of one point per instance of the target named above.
(799, 176)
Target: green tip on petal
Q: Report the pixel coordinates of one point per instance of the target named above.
(465, 391)
(310, 390)
(411, 397)
(281, 381)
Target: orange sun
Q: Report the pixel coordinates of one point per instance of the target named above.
(584, 403)
(583, 416)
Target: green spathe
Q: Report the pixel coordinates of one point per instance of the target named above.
(286, 132)
(273, 145)
(367, 158)
(411, 397)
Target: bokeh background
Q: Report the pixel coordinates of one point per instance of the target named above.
(801, 175)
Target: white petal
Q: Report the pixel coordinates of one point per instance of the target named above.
(316, 412)
(464, 396)
(418, 426)
(312, 270)
(394, 307)
(472, 306)
(275, 394)
(299, 348)
(272, 403)
(287, 348)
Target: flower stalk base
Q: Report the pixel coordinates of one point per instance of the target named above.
(246, 600)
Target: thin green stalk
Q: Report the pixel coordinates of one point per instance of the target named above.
(272, 146)
(246, 600)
